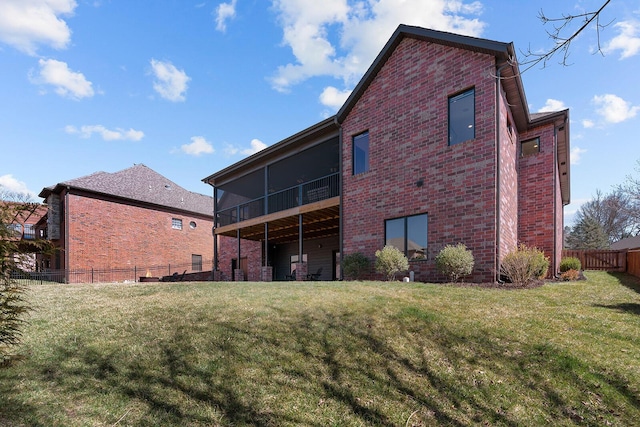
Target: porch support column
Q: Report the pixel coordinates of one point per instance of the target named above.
(301, 266)
(238, 273)
(266, 273)
(213, 231)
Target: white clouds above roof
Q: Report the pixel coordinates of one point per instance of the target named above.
(627, 42)
(25, 24)
(67, 83)
(255, 146)
(13, 185)
(552, 105)
(107, 134)
(223, 13)
(170, 83)
(334, 98)
(338, 39)
(199, 145)
(614, 109)
(576, 155)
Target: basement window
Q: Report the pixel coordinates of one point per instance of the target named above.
(529, 147)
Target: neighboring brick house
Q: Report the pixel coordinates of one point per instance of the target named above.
(434, 146)
(134, 218)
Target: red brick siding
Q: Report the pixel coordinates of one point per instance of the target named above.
(508, 181)
(228, 250)
(536, 200)
(105, 235)
(405, 110)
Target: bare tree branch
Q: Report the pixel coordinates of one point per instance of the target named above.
(562, 42)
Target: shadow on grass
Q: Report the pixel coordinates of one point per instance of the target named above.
(323, 368)
(632, 308)
(627, 280)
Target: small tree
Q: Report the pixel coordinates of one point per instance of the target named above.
(455, 261)
(13, 253)
(390, 261)
(355, 265)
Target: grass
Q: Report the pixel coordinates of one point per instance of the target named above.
(328, 354)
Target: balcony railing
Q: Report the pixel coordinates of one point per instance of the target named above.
(303, 194)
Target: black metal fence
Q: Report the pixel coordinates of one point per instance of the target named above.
(123, 274)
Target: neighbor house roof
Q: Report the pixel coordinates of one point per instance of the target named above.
(138, 183)
(628, 243)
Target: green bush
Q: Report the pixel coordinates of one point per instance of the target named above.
(524, 265)
(355, 265)
(570, 263)
(390, 261)
(570, 275)
(455, 261)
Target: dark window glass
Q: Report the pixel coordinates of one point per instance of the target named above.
(529, 147)
(196, 262)
(408, 234)
(462, 117)
(361, 153)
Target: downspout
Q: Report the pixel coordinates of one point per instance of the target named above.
(340, 210)
(215, 225)
(498, 215)
(66, 234)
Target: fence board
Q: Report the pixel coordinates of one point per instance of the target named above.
(608, 260)
(633, 262)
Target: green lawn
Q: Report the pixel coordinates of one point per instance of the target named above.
(328, 354)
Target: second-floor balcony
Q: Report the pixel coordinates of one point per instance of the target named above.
(305, 193)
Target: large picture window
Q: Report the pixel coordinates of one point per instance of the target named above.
(408, 234)
(361, 153)
(462, 117)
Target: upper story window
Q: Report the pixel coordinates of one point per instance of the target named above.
(529, 147)
(462, 117)
(408, 234)
(361, 153)
(176, 223)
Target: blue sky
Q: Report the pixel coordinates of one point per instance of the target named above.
(190, 87)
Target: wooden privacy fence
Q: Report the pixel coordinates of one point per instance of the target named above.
(633, 262)
(608, 260)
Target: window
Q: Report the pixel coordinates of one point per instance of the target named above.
(361, 153)
(176, 223)
(408, 234)
(196, 262)
(529, 147)
(462, 117)
(192, 225)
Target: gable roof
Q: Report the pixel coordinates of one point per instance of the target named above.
(138, 183)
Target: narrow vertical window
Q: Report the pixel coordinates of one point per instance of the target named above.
(196, 262)
(462, 117)
(361, 153)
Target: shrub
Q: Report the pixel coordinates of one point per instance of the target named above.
(455, 261)
(570, 275)
(524, 265)
(355, 265)
(570, 263)
(390, 261)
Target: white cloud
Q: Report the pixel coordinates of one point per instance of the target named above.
(170, 82)
(25, 24)
(107, 134)
(199, 145)
(225, 12)
(576, 155)
(340, 39)
(67, 83)
(628, 41)
(552, 105)
(614, 109)
(13, 185)
(256, 145)
(588, 124)
(334, 98)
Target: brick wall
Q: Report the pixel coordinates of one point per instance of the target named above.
(508, 180)
(228, 251)
(106, 234)
(405, 110)
(536, 201)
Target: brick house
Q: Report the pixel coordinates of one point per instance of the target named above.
(434, 146)
(134, 218)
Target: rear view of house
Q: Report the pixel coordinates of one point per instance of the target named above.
(435, 146)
